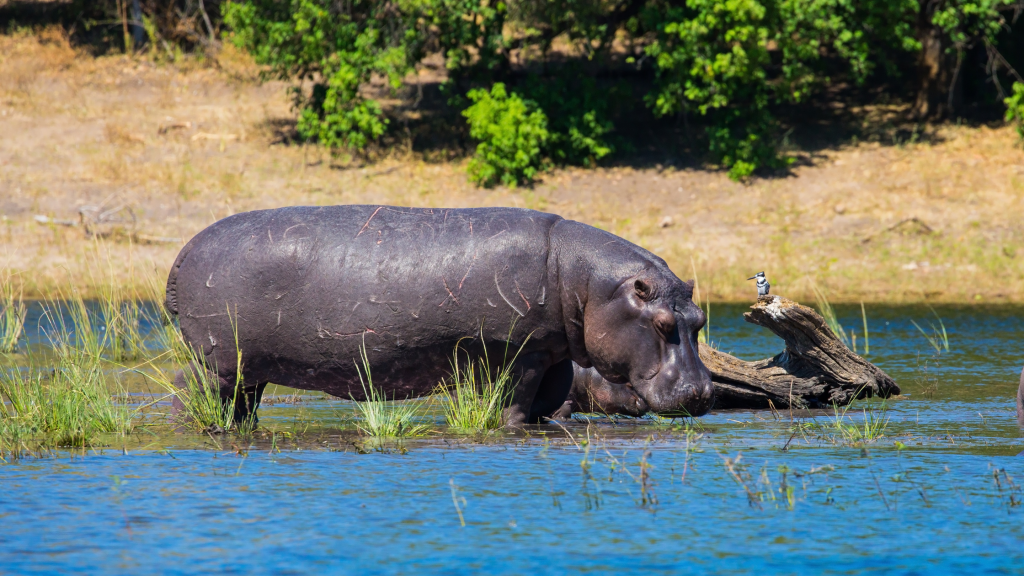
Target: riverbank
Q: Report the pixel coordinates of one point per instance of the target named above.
(169, 149)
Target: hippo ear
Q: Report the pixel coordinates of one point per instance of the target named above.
(643, 289)
(690, 283)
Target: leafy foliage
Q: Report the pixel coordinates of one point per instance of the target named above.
(512, 133)
(717, 58)
(730, 62)
(578, 116)
(337, 46)
(1015, 108)
(969, 21)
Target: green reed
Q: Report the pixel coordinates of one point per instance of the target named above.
(14, 440)
(475, 396)
(864, 319)
(829, 314)
(67, 403)
(380, 417)
(203, 408)
(73, 323)
(938, 339)
(122, 325)
(168, 336)
(704, 334)
(12, 314)
(842, 429)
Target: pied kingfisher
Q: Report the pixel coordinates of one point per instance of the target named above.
(762, 284)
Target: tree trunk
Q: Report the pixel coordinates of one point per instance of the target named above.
(816, 370)
(938, 70)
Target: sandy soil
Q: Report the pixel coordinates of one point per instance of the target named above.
(181, 146)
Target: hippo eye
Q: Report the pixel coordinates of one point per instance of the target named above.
(643, 289)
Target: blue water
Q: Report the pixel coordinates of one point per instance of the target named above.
(947, 502)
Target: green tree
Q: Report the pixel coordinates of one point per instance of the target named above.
(337, 46)
(525, 71)
(716, 58)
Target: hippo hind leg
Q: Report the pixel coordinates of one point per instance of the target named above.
(553, 392)
(247, 400)
(193, 378)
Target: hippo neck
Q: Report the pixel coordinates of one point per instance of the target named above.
(589, 263)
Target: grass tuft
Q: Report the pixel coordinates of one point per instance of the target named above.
(826, 311)
(475, 396)
(842, 429)
(383, 418)
(66, 405)
(12, 314)
(203, 409)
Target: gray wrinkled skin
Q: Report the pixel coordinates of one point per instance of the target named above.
(307, 286)
(592, 394)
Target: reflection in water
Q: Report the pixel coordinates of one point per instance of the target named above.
(620, 496)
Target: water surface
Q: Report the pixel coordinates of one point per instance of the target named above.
(598, 496)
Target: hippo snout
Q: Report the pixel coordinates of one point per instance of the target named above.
(691, 397)
(697, 399)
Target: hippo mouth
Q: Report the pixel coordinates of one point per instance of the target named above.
(692, 400)
(635, 405)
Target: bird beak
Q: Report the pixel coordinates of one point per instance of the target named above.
(752, 277)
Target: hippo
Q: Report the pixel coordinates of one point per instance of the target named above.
(591, 393)
(300, 292)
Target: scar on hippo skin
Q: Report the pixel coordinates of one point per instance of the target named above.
(609, 292)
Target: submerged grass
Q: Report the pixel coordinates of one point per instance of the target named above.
(842, 429)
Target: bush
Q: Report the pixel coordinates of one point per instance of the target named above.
(513, 134)
(577, 114)
(717, 58)
(1015, 109)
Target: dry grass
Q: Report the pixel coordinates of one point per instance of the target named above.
(187, 144)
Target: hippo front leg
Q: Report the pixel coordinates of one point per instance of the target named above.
(551, 400)
(528, 373)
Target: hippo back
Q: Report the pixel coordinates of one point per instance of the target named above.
(306, 287)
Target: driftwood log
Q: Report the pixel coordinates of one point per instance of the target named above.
(815, 370)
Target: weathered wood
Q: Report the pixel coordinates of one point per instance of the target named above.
(815, 370)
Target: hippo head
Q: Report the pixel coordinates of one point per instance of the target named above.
(643, 331)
